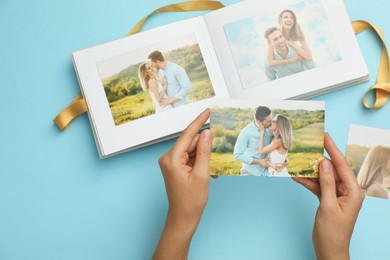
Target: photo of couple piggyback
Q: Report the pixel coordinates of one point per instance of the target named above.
(288, 51)
(281, 42)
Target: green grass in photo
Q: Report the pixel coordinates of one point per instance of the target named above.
(131, 107)
(304, 164)
(224, 164)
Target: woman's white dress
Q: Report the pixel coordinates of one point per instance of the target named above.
(276, 158)
(155, 102)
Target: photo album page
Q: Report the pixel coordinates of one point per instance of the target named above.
(148, 87)
(286, 49)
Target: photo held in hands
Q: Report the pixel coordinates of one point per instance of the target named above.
(267, 138)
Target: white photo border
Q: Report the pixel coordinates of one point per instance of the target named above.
(305, 84)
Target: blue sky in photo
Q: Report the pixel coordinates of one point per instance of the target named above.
(249, 47)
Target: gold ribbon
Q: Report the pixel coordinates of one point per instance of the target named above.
(180, 7)
(76, 108)
(381, 88)
(79, 105)
(382, 84)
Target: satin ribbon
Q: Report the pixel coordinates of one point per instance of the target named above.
(382, 84)
(76, 108)
(381, 88)
(180, 7)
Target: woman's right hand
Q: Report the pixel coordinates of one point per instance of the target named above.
(185, 168)
(340, 202)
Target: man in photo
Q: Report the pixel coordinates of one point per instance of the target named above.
(292, 62)
(179, 85)
(246, 149)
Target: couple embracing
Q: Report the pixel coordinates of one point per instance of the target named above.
(288, 52)
(167, 82)
(262, 146)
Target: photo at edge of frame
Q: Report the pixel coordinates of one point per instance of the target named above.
(267, 138)
(368, 154)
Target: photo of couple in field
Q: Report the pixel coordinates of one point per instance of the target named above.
(280, 42)
(267, 138)
(155, 79)
(368, 154)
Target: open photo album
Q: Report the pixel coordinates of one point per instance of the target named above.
(148, 87)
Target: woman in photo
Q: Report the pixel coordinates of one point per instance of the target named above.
(294, 37)
(374, 169)
(156, 87)
(281, 142)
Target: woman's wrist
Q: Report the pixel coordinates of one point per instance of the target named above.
(176, 238)
(325, 252)
(334, 255)
(182, 224)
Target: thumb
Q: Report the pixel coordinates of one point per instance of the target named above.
(327, 184)
(203, 151)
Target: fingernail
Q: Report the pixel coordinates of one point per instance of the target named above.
(206, 135)
(326, 166)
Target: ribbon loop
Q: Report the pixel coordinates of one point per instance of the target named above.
(382, 84)
(76, 108)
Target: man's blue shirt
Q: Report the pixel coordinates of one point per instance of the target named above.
(247, 148)
(179, 84)
(287, 69)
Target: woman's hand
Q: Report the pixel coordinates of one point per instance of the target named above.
(260, 126)
(167, 101)
(185, 168)
(340, 202)
(291, 43)
(303, 51)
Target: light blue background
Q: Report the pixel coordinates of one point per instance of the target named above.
(59, 201)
